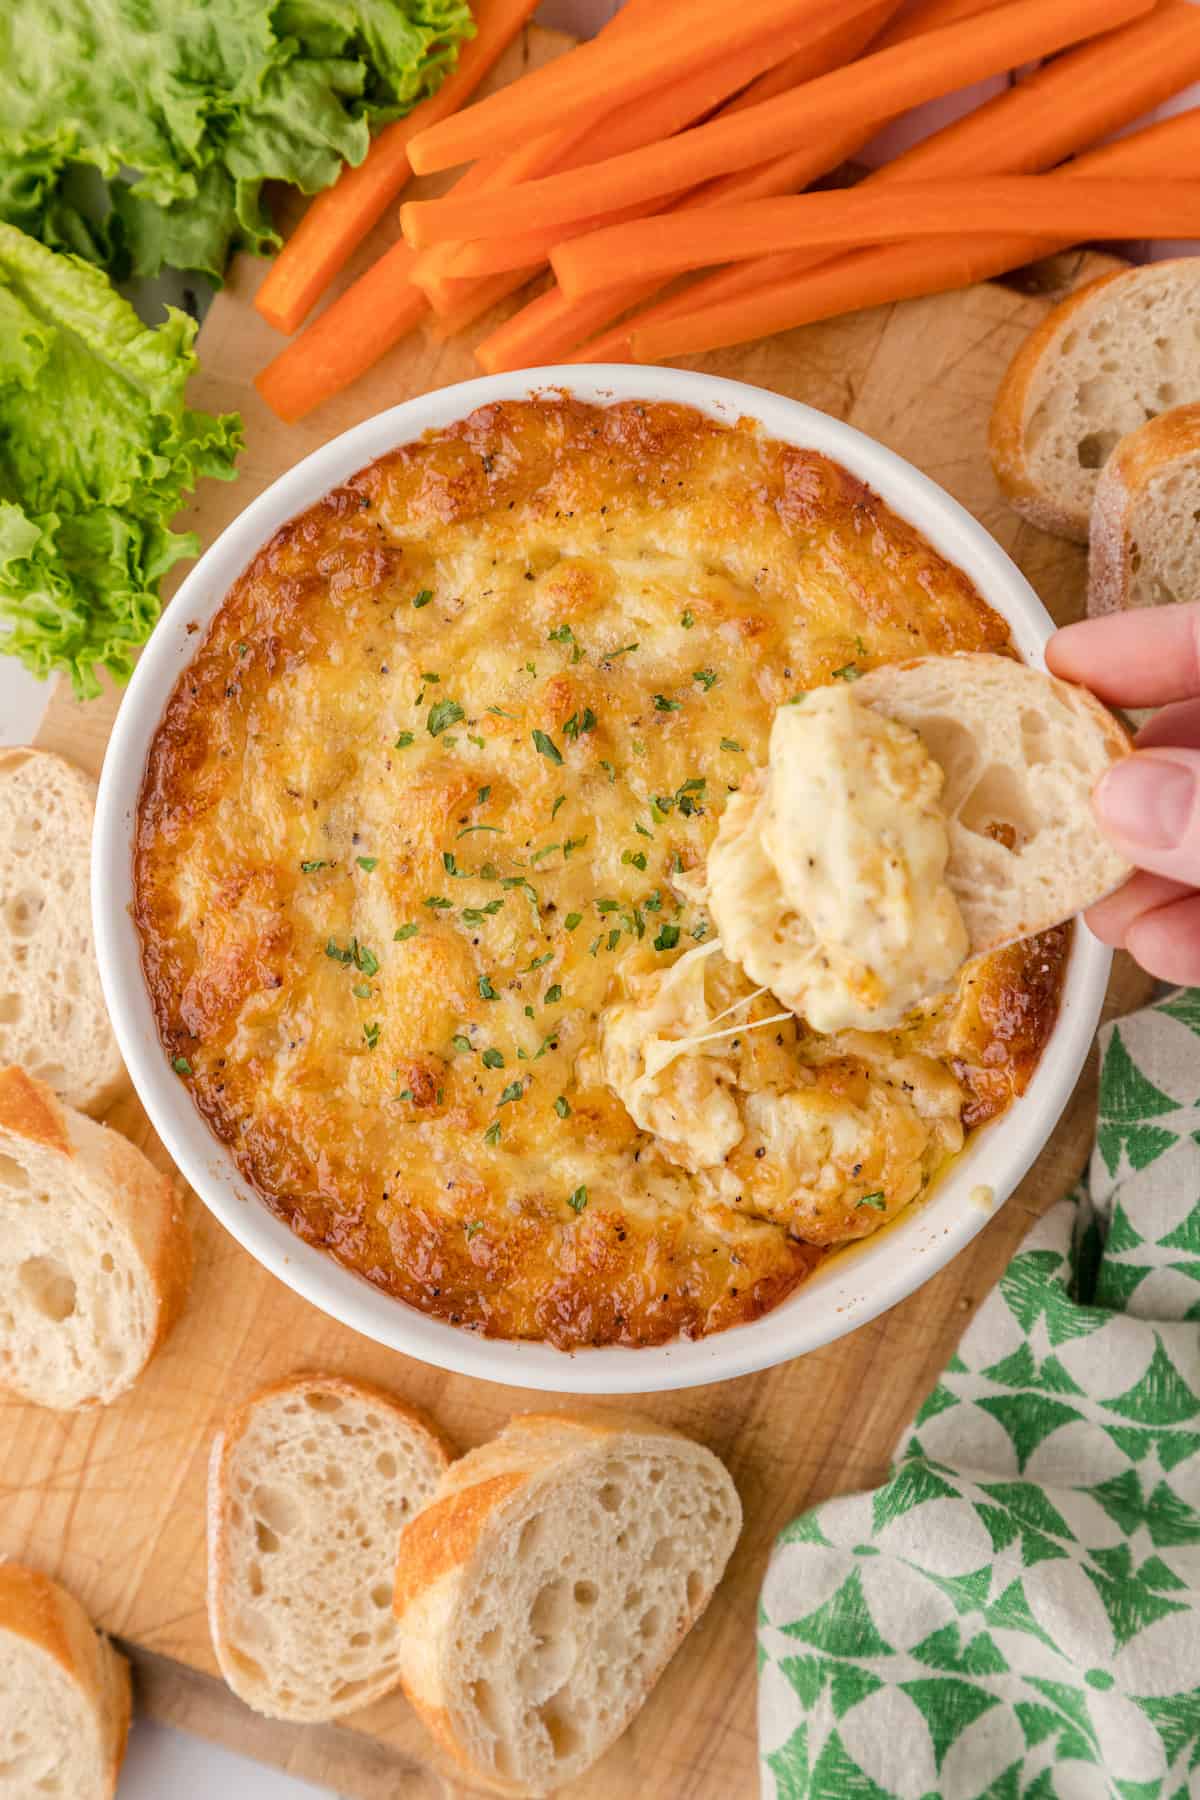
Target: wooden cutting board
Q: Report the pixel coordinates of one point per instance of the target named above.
(113, 1502)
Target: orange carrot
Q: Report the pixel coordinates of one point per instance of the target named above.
(339, 219)
(903, 271)
(598, 72)
(1046, 205)
(1064, 107)
(930, 15)
(874, 88)
(347, 338)
(477, 297)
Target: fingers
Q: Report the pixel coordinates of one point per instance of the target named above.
(1112, 917)
(1148, 805)
(1166, 941)
(1148, 657)
(1175, 725)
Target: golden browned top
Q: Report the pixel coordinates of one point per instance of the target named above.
(410, 824)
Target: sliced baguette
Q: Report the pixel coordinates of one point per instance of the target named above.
(544, 1590)
(1021, 752)
(1144, 544)
(310, 1484)
(1116, 353)
(64, 1695)
(53, 1019)
(95, 1253)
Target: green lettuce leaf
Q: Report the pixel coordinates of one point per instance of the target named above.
(139, 135)
(96, 452)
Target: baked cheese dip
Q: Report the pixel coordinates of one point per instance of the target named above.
(423, 891)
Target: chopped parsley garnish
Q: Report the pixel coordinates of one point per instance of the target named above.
(876, 1201)
(539, 962)
(668, 937)
(653, 902)
(471, 1227)
(623, 651)
(848, 672)
(430, 675)
(492, 1059)
(573, 844)
(442, 716)
(642, 830)
(577, 725)
(689, 796)
(531, 668)
(572, 920)
(405, 1094)
(513, 1091)
(475, 915)
(468, 829)
(371, 1033)
(486, 990)
(562, 1107)
(561, 801)
(701, 930)
(482, 796)
(367, 862)
(562, 634)
(595, 945)
(500, 712)
(731, 744)
(706, 677)
(438, 902)
(492, 1134)
(181, 1065)
(310, 868)
(405, 931)
(546, 746)
(687, 619)
(636, 857)
(459, 1042)
(612, 773)
(362, 990)
(423, 597)
(477, 741)
(546, 850)
(403, 741)
(243, 649)
(363, 959)
(552, 996)
(614, 937)
(662, 704)
(578, 1200)
(607, 906)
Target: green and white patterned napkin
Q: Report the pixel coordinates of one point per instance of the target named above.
(1016, 1614)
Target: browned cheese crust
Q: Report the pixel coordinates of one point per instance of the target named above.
(380, 919)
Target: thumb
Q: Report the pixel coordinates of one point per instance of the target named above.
(1149, 806)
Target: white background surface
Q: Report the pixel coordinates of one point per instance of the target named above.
(164, 1764)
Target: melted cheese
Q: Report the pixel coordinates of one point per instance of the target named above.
(384, 916)
(826, 880)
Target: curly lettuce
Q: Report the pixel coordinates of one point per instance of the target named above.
(139, 136)
(97, 450)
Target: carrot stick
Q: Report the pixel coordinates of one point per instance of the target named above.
(904, 271)
(1061, 109)
(477, 298)
(930, 15)
(872, 89)
(597, 72)
(1046, 205)
(339, 219)
(347, 338)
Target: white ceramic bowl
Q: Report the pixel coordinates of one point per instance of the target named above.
(850, 1288)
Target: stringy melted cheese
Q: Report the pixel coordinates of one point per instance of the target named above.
(382, 914)
(827, 878)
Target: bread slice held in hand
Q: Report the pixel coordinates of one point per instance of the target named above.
(310, 1483)
(1118, 352)
(1144, 546)
(52, 1014)
(64, 1695)
(1021, 752)
(95, 1253)
(543, 1591)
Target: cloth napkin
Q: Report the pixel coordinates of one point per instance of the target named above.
(1015, 1615)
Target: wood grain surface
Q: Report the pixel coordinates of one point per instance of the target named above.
(113, 1502)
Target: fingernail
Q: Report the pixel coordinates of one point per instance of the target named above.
(1147, 801)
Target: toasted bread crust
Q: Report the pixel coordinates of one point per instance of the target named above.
(1137, 460)
(35, 1608)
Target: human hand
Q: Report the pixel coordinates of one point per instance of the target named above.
(1149, 804)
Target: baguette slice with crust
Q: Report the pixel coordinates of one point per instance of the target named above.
(52, 1014)
(95, 1253)
(1144, 547)
(310, 1483)
(1116, 353)
(543, 1591)
(1021, 752)
(64, 1695)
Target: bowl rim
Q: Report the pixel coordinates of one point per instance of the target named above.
(850, 1289)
